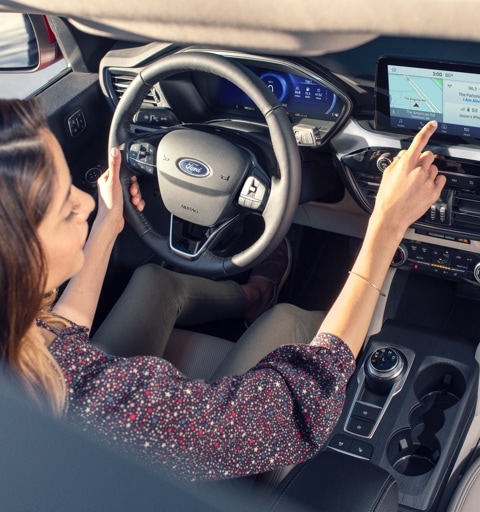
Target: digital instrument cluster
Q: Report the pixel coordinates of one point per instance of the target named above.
(301, 96)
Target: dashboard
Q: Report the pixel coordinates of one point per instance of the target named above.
(314, 99)
(346, 138)
(315, 105)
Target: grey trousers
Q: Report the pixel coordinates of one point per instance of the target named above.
(156, 300)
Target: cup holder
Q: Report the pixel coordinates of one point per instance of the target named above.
(439, 387)
(415, 451)
(409, 457)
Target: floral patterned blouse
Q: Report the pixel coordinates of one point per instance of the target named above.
(280, 412)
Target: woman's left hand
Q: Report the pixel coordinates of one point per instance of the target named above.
(79, 300)
(110, 196)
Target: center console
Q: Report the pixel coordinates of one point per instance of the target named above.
(414, 394)
(413, 397)
(409, 408)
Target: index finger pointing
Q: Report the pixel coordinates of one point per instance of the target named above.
(421, 140)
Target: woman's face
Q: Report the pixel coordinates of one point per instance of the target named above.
(64, 229)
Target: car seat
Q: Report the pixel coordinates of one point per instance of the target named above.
(466, 497)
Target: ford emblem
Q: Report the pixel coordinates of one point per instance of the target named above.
(194, 168)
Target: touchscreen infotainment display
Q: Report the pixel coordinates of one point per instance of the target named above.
(409, 93)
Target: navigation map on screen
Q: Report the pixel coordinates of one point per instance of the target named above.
(418, 95)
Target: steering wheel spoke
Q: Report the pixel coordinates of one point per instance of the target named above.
(190, 241)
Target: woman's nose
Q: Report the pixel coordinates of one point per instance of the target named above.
(86, 203)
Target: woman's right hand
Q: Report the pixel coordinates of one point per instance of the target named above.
(410, 185)
(136, 194)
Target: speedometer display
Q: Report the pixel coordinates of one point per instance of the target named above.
(302, 97)
(276, 83)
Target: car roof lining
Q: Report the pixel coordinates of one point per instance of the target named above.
(269, 25)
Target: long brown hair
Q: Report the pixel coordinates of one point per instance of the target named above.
(27, 179)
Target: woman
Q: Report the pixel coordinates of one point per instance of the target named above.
(279, 412)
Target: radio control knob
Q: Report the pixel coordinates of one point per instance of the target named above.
(401, 255)
(476, 272)
(383, 161)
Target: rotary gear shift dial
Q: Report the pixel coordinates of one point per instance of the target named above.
(382, 369)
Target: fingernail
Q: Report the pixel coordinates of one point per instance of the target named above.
(434, 124)
(114, 152)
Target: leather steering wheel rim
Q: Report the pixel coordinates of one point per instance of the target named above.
(285, 188)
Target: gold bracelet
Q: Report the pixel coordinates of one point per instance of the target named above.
(367, 281)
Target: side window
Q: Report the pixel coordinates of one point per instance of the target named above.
(30, 57)
(18, 46)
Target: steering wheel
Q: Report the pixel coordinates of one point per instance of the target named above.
(207, 180)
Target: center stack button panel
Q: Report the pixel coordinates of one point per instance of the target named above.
(437, 260)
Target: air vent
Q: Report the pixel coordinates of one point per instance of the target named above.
(369, 186)
(467, 210)
(120, 84)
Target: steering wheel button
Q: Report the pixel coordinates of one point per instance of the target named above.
(133, 151)
(307, 138)
(259, 191)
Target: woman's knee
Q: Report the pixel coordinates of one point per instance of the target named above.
(152, 279)
(149, 272)
(294, 324)
(286, 311)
